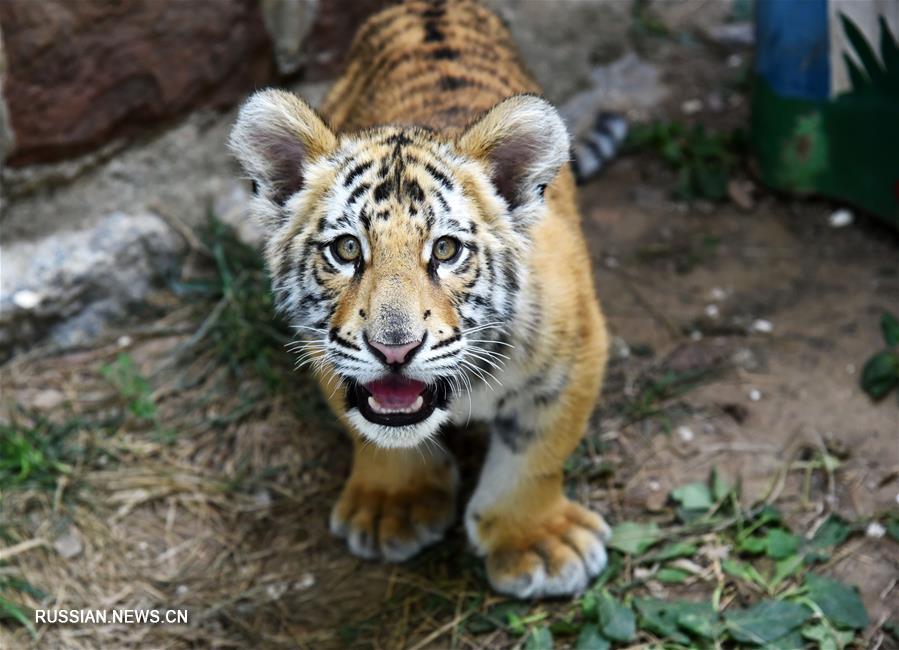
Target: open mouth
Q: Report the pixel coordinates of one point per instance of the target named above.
(394, 400)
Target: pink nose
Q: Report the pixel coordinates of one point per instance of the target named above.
(395, 353)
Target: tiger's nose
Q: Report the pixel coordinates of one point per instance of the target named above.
(395, 354)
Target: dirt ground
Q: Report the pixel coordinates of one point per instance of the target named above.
(227, 515)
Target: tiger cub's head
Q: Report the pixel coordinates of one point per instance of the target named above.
(398, 254)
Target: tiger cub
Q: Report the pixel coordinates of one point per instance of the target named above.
(424, 240)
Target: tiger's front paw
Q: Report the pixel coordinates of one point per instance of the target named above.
(558, 555)
(393, 526)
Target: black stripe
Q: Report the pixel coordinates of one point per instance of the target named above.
(356, 171)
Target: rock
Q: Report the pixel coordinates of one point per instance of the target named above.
(331, 35)
(288, 22)
(7, 140)
(627, 85)
(81, 73)
(68, 545)
(86, 278)
(560, 41)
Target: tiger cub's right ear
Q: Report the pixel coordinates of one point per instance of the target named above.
(275, 137)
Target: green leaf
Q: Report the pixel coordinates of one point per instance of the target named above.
(752, 545)
(791, 641)
(833, 532)
(880, 374)
(672, 551)
(540, 638)
(780, 544)
(742, 571)
(671, 575)
(590, 606)
(839, 602)
(889, 325)
(617, 620)
(863, 50)
(766, 621)
(827, 637)
(785, 568)
(893, 529)
(591, 639)
(660, 617)
(720, 487)
(633, 538)
(693, 496)
(699, 618)
(15, 613)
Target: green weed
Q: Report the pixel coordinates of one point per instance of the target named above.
(880, 374)
(704, 161)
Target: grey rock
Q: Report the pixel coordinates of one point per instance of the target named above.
(7, 138)
(70, 285)
(560, 41)
(627, 85)
(68, 545)
(288, 23)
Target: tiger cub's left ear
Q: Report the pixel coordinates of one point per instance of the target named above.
(524, 141)
(275, 138)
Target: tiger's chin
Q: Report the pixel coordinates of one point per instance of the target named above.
(398, 412)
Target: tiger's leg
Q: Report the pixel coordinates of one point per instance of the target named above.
(536, 541)
(396, 501)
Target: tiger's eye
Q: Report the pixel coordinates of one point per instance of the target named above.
(347, 248)
(446, 248)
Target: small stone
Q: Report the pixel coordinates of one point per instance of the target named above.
(841, 218)
(762, 326)
(685, 433)
(611, 262)
(262, 499)
(741, 193)
(712, 311)
(306, 581)
(695, 335)
(181, 590)
(26, 299)
(620, 349)
(48, 399)
(276, 590)
(850, 368)
(691, 106)
(734, 61)
(68, 545)
(655, 486)
(875, 530)
(717, 294)
(755, 395)
(124, 341)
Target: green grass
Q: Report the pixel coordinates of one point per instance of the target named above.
(704, 161)
(36, 452)
(240, 323)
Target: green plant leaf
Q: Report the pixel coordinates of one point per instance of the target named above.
(672, 551)
(785, 568)
(617, 620)
(693, 496)
(893, 529)
(660, 617)
(863, 50)
(671, 575)
(889, 325)
(590, 639)
(633, 538)
(766, 621)
(839, 602)
(540, 638)
(826, 637)
(720, 487)
(833, 532)
(15, 613)
(780, 544)
(880, 374)
(700, 619)
(743, 571)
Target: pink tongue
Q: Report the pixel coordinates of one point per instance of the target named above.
(395, 392)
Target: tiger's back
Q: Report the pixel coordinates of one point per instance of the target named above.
(433, 64)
